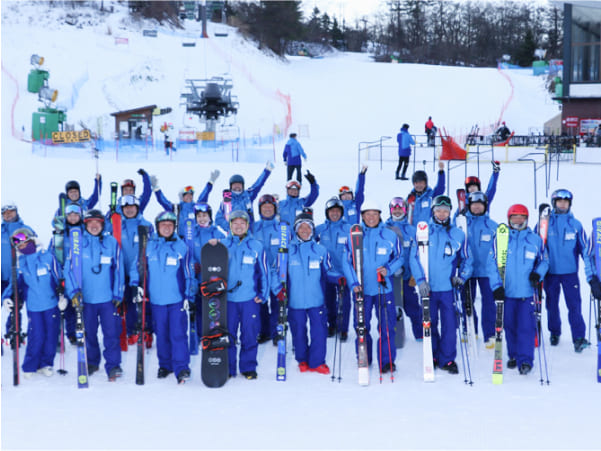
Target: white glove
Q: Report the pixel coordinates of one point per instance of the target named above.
(62, 303)
(214, 175)
(186, 305)
(269, 166)
(9, 302)
(139, 296)
(154, 183)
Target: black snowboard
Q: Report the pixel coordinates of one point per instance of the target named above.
(215, 338)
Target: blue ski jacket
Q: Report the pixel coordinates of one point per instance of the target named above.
(423, 201)
(480, 237)
(525, 254)
(293, 152)
(405, 141)
(103, 276)
(201, 237)
(86, 204)
(408, 232)
(242, 201)
(566, 240)
(381, 248)
(447, 252)
(334, 236)
(292, 206)
(248, 276)
(144, 198)
(308, 270)
(490, 194)
(352, 207)
(8, 228)
(267, 231)
(37, 279)
(169, 269)
(595, 266)
(130, 239)
(185, 210)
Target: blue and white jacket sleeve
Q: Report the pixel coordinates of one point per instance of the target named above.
(440, 185)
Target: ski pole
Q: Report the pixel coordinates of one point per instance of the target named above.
(590, 312)
(62, 370)
(335, 343)
(339, 324)
(380, 326)
(541, 340)
(462, 344)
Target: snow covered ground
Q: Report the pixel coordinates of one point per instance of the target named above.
(344, 99)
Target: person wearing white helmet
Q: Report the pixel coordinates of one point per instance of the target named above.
(382, 257)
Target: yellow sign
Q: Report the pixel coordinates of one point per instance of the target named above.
(205, 136)
(70, 137)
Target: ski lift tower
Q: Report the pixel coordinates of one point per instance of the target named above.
(210, 99)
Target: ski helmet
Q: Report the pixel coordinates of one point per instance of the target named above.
(370, 204)
(92, 215)
(304, 218)
(345, 190)
(189, 189)
(268, 199)
(419, 176)
(126, 183)
(334, 202)
(472, 180)
(239, 214)
(10, 206)
(293, 184)
(129, 199)
(72, 184)
(561, 194)
(204, 207)
(165, 216)
(442, 201)
(236, 178)
(517, 209)
(477, 196)
(398, 202)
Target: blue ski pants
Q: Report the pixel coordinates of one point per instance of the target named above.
(387, 309)
(269, 317)
(246, 317)
(314, 353)
(413, 309)
(170, 324)
(520, 329)
(444, 342)
(488, 305)
(571, 293)
(42, 335)
(106, 314)
(331, 296)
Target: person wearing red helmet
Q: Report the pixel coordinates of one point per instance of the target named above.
(527, 263)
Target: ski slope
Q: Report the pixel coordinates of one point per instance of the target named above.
(344, 99)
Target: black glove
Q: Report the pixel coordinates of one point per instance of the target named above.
(457, 282)
(534, 278)
(116, 302)
(499, 294)
(595, 287)
(310, 177)
(142, 172)
(60, 288)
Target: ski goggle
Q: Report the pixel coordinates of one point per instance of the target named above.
(398, 202)
(19, 238)
(9, 207)
(293, 184)
(442, 202)
(562, 194)
(188, 190)
(345, 189)
(205, 208)
(129, 200)
(73, 208)
(477, 196)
